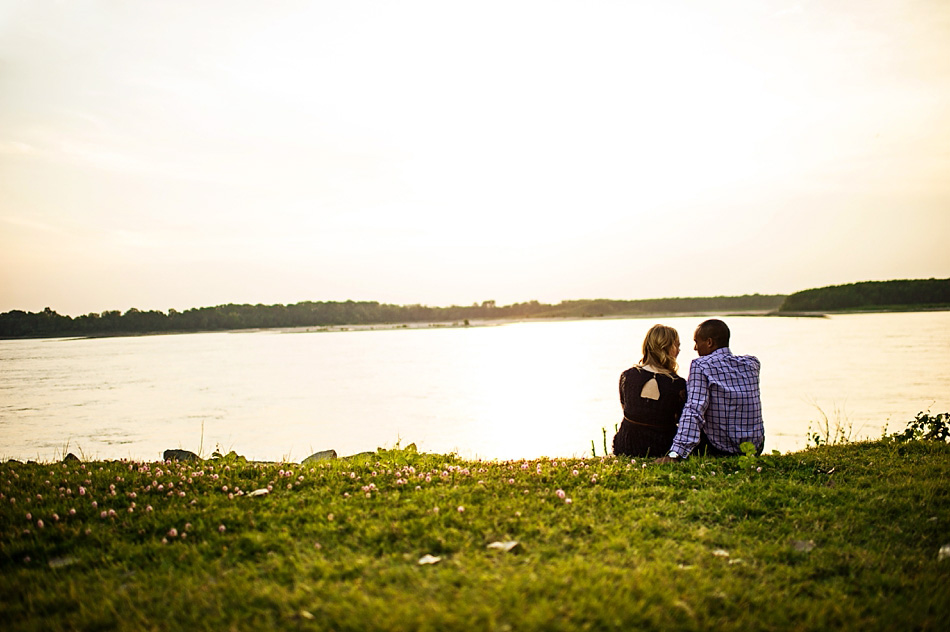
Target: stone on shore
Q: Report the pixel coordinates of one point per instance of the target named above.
(180, 455)
(319, 456)
(360, 455)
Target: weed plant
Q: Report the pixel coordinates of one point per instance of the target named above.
(834, 537)
(834, 431)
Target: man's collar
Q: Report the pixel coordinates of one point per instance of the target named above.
(721, 351)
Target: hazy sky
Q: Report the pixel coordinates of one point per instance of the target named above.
(179, 154)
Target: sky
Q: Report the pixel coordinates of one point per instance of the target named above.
(177, 154)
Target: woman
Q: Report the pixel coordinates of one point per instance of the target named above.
(652, 396)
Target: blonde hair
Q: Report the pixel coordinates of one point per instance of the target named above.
(657, 345)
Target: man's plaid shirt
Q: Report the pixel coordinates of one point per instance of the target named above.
(722, 401)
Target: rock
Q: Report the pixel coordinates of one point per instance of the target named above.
(60, 562)
(319, 456)
(230, 457)
(70, 457)
(505, 546)
(360, 455)
(180, 455)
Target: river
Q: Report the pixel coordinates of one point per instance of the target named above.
(499, 391)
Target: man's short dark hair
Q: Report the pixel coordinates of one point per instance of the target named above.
(715, 329)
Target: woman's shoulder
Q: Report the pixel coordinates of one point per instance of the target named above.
(652, 371)
(645, 373)
(636, 373)
(675, 379)
(639, 369)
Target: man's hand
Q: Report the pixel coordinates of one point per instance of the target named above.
(666, 459)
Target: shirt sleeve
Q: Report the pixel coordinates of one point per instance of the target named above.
(693, 417)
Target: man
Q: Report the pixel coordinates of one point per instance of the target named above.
(723, 406)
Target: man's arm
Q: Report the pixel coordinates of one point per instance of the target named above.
(692, 418)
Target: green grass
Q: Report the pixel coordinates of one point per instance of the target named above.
(841, 536)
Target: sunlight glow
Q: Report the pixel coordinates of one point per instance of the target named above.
(433, 152)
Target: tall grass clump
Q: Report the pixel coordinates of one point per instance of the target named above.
(834, 430)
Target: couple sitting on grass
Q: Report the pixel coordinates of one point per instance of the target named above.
(712, 413)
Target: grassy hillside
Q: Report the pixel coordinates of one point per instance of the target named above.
(835, 537)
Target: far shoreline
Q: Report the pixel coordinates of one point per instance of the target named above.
(495, 322)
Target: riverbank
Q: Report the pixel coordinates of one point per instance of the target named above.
(842, 537)
(884, 309)
(494, 322)
(415, 325)
(399, 325)
(49, 323)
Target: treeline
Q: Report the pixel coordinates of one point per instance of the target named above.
(645, 307)
(48, 323)
(871, 295)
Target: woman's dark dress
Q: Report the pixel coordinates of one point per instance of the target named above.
(649, 425)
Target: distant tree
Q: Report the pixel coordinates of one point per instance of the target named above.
(870, 295)
(17, 323)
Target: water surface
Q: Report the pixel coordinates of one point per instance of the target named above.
(508, 391)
